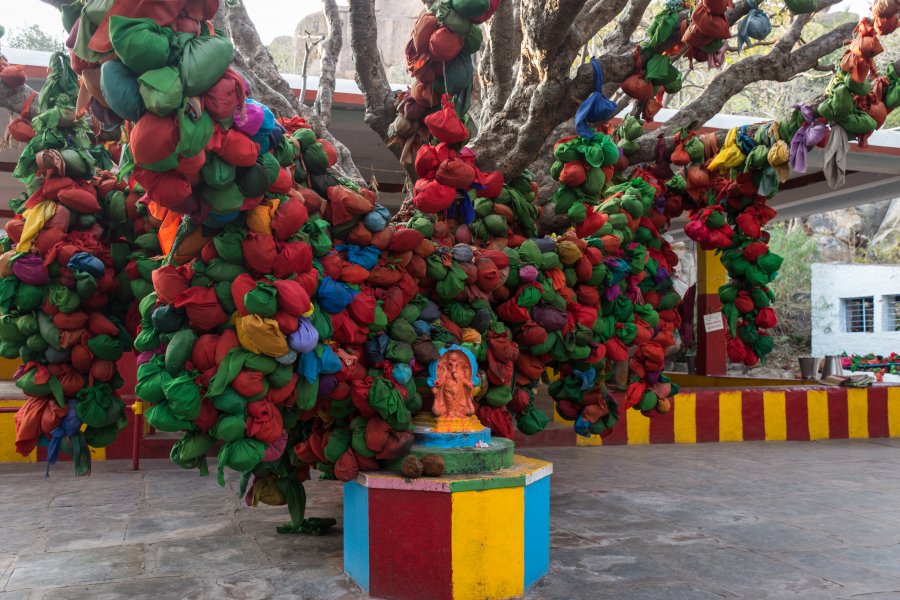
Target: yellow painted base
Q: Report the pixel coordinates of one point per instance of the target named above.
(817, 410)
(685, 417)
(488, 524)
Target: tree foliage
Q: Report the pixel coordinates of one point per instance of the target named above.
(793, 286)
(32, 37)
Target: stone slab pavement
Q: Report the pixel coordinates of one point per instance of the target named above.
(816, 520)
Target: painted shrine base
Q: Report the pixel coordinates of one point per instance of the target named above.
(458, 537)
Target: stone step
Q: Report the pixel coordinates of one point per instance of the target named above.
(554, 435)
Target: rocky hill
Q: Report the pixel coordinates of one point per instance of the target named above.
(869, 233)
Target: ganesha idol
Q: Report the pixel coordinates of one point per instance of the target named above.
(453, 382)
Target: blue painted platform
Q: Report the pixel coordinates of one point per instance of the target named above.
(428, 438)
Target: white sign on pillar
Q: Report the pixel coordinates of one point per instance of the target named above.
(713, 322)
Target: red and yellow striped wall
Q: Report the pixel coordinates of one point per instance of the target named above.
(756, 414)
(12, 397)
(119, 449)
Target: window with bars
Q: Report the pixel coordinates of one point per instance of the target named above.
(859, 314)
(892, 313)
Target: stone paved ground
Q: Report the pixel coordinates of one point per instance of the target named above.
(754, 520)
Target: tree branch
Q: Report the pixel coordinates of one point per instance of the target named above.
(261, 90)
(269, 83)
(618, 40)
(307, 46)
(618, 66)
(246, 41)
(778, 65)
(370, 75)
(560, 105)
(497, 68)
(330, 51)
(721, 88)
(597, 14)
(13, 99)
(542, 23)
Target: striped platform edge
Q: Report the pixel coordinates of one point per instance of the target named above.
(751, 414)
(450, 538)
(156, 446)
(121, 449)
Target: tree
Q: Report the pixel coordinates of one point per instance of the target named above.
(529, 73)
(31, 37)
(529, 85)
(470, 268)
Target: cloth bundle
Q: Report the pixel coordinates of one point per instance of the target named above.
(19, 127)
(664, 25)
(626, 134)
(60, 303)
(582, 168)
(751, 268)
(742, 175)
(842, 105)
(195, 142)
(473, 207)
(754, 26)
(652, 76)
(439, 59)
(885, 17)
(443, 172)
(857, 100)
(286, 326)
(708, 26)
(504, 219)
(709, 227)
(577, 304)
(768, 161)
(214, 332)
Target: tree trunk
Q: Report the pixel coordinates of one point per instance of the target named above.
(331, 49)
(247, 44)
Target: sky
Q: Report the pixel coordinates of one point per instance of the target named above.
(271, 17)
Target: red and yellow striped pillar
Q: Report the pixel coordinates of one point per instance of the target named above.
(711, 275)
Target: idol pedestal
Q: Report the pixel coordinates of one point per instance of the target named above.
(480, 531)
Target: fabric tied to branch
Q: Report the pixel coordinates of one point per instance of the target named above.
(731, 156)
(715, 60)
(836, 157)
(754, 26)
(597, 108)
(809, 134)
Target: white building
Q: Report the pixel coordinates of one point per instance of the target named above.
(855, 309)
